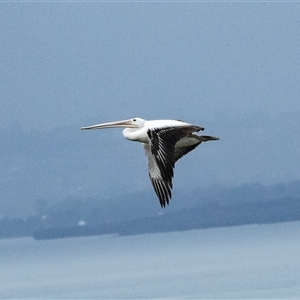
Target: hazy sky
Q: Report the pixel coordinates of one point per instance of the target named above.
(232, 68)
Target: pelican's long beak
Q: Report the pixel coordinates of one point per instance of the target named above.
(125, 123)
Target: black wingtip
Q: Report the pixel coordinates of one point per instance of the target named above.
(164, 202)
(163, 191)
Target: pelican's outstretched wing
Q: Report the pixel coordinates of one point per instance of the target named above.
(161, 157)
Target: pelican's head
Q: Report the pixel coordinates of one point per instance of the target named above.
(131, 123)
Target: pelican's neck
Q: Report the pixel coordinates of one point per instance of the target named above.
(136, 134)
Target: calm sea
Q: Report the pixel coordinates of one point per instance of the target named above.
(256, 261)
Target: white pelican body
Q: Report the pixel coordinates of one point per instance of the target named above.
(164, 142)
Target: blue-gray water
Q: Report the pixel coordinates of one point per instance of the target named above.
(256, 261)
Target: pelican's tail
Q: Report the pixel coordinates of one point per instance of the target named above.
(205, 138)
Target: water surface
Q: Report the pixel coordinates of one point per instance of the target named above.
(255, 261)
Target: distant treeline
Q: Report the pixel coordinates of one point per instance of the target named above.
(215, 215)
(59, 224)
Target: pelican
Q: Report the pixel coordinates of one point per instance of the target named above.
(164, 142)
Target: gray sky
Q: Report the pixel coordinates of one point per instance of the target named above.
(232, 68)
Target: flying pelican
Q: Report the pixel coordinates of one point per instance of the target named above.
(164, 142)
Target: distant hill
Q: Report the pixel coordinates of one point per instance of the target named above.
(74, 217)
(199, 217)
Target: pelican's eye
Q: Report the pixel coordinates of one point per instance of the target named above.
(134, 120)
